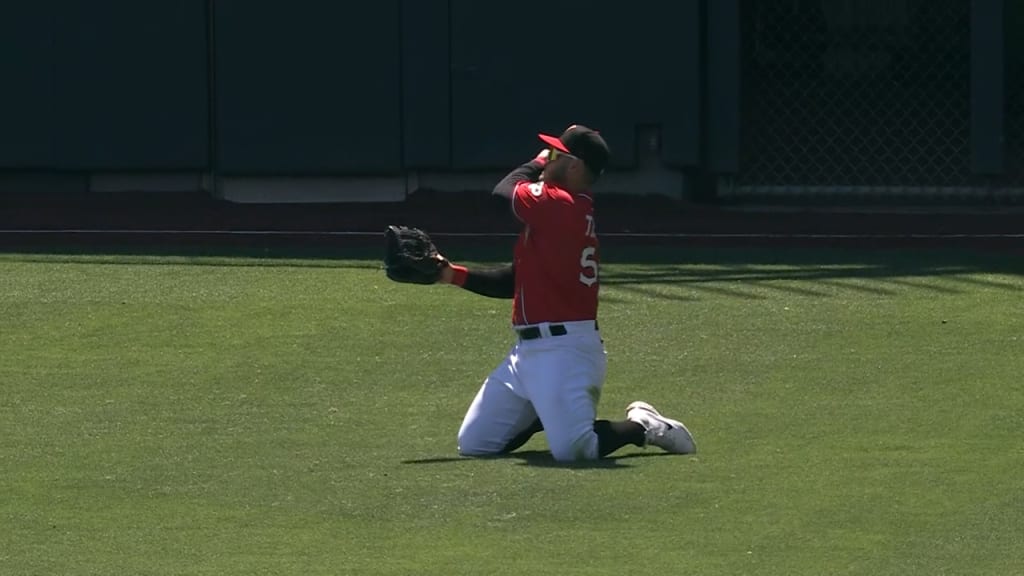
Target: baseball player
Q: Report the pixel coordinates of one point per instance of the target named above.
(553, 375)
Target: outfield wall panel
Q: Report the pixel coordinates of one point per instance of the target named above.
(307, 88)
(130, 84)
(617, 70)
(27, 99)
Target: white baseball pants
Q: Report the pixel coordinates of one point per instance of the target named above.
(557, 378)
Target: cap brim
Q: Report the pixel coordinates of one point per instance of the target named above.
(553, 142)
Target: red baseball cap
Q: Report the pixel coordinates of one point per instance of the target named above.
(583, 143)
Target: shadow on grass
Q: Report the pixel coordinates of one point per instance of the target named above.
(818, 281)
(543, 459)
(246, 257)
(810, 272)
(724, 271)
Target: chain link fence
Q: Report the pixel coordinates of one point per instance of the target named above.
(859, 98)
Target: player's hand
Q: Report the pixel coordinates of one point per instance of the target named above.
(542, 159)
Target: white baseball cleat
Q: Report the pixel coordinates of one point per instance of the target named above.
(665, 433)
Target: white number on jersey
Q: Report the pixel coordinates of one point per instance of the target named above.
(588, 263)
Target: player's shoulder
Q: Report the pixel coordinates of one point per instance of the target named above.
(546, 191)
(580, 201)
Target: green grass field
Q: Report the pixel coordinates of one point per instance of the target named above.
(856, 412)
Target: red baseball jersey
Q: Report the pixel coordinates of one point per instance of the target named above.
(556, 257)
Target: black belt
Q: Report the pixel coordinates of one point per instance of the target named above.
(534, 332)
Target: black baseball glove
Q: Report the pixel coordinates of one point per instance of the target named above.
(410, 256)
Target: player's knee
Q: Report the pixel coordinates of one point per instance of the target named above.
(475, 451)
(467, 449)
(472, 445)
(582, 447)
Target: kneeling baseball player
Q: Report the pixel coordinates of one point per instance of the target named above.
(553, 375)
